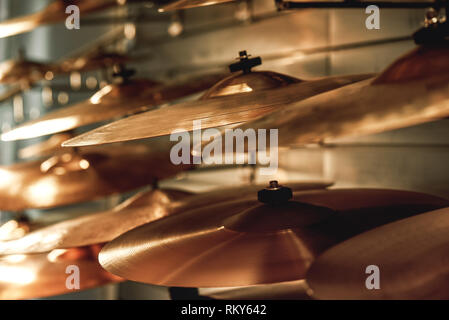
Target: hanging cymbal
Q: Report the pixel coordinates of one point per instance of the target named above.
(85, 175)
(241, 97)
(413, 90)
(54, 12)
(246, 242)
(138, 210)
(411, 254)
(290, 290)
(112, 101)
(187, 4)
(48, 147)
(43, 275)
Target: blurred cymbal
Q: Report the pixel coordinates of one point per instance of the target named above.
(48, 147)
(54, 12)
(86, 175)
(187, 4)
(411, 254)
(245, 242)
(226, 107)
(138, 210)
(413, 90)
(92, 61)
(21, 70)
(290, 290)
(43, 275)
(112, 101)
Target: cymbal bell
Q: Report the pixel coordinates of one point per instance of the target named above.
(54, 12)
(245, 242)
(143, 208)
(413, 90)
(411, 256)
(215, 112)
(43, 275)
(112, 101)
(187, 4)
(74, 177)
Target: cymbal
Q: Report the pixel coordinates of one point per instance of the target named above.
(92, 61)
(138, 210)
(112, 101)
(244, 105)
(48, 147)
(21, 70)
(245, 242)
(411, 91)
(43, 275)
(411, 255)
(289, 290)
(85, 175)
(187, 4)
(54, 12)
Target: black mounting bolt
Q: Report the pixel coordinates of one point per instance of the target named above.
(245, 64)
(121, 71)
(274, 194)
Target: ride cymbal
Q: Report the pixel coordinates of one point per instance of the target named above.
(241, 97)
(82, 176)
(413, 90)
(411, 256)
(47, 274)
(246, 242)
(138, 210)
(112, 101)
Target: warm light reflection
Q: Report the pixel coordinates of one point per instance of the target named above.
(96, 98)
(233, 89)
(44, 191)
(11, 230)
(40, 128)
(16, 275)
(49, 75)
(55, 254)
(15, 258)
(84, 164)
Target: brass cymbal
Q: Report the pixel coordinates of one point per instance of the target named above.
(289, 290)
(411, 91)
(92, 61)
(214, 112)
(245, 242)
(187, 4)
(138, 210)
(112, 101)
(43, 275)
(411, 254)
(48, 147)
(54, 12)
(21, 70)
(85, 175)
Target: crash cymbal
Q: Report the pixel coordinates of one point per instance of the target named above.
(54, 12)
(187, 4)
(112, 101)
(239, 98)
(48, 147)
(411, 256)
(290, 290)
(413, 90)
(246, 242)
(69, 177)
(138, 210)
(47, 274)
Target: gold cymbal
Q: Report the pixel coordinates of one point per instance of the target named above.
(48, 147)
(411, 254)
(414, 90)
(244, 242)
(289, 290)
(70, 177)
(138, 210)
(54, 12)
(43, 275)
(21, 70)
(93, 61)
(214, 112)
(187, 4)
(112, 101)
